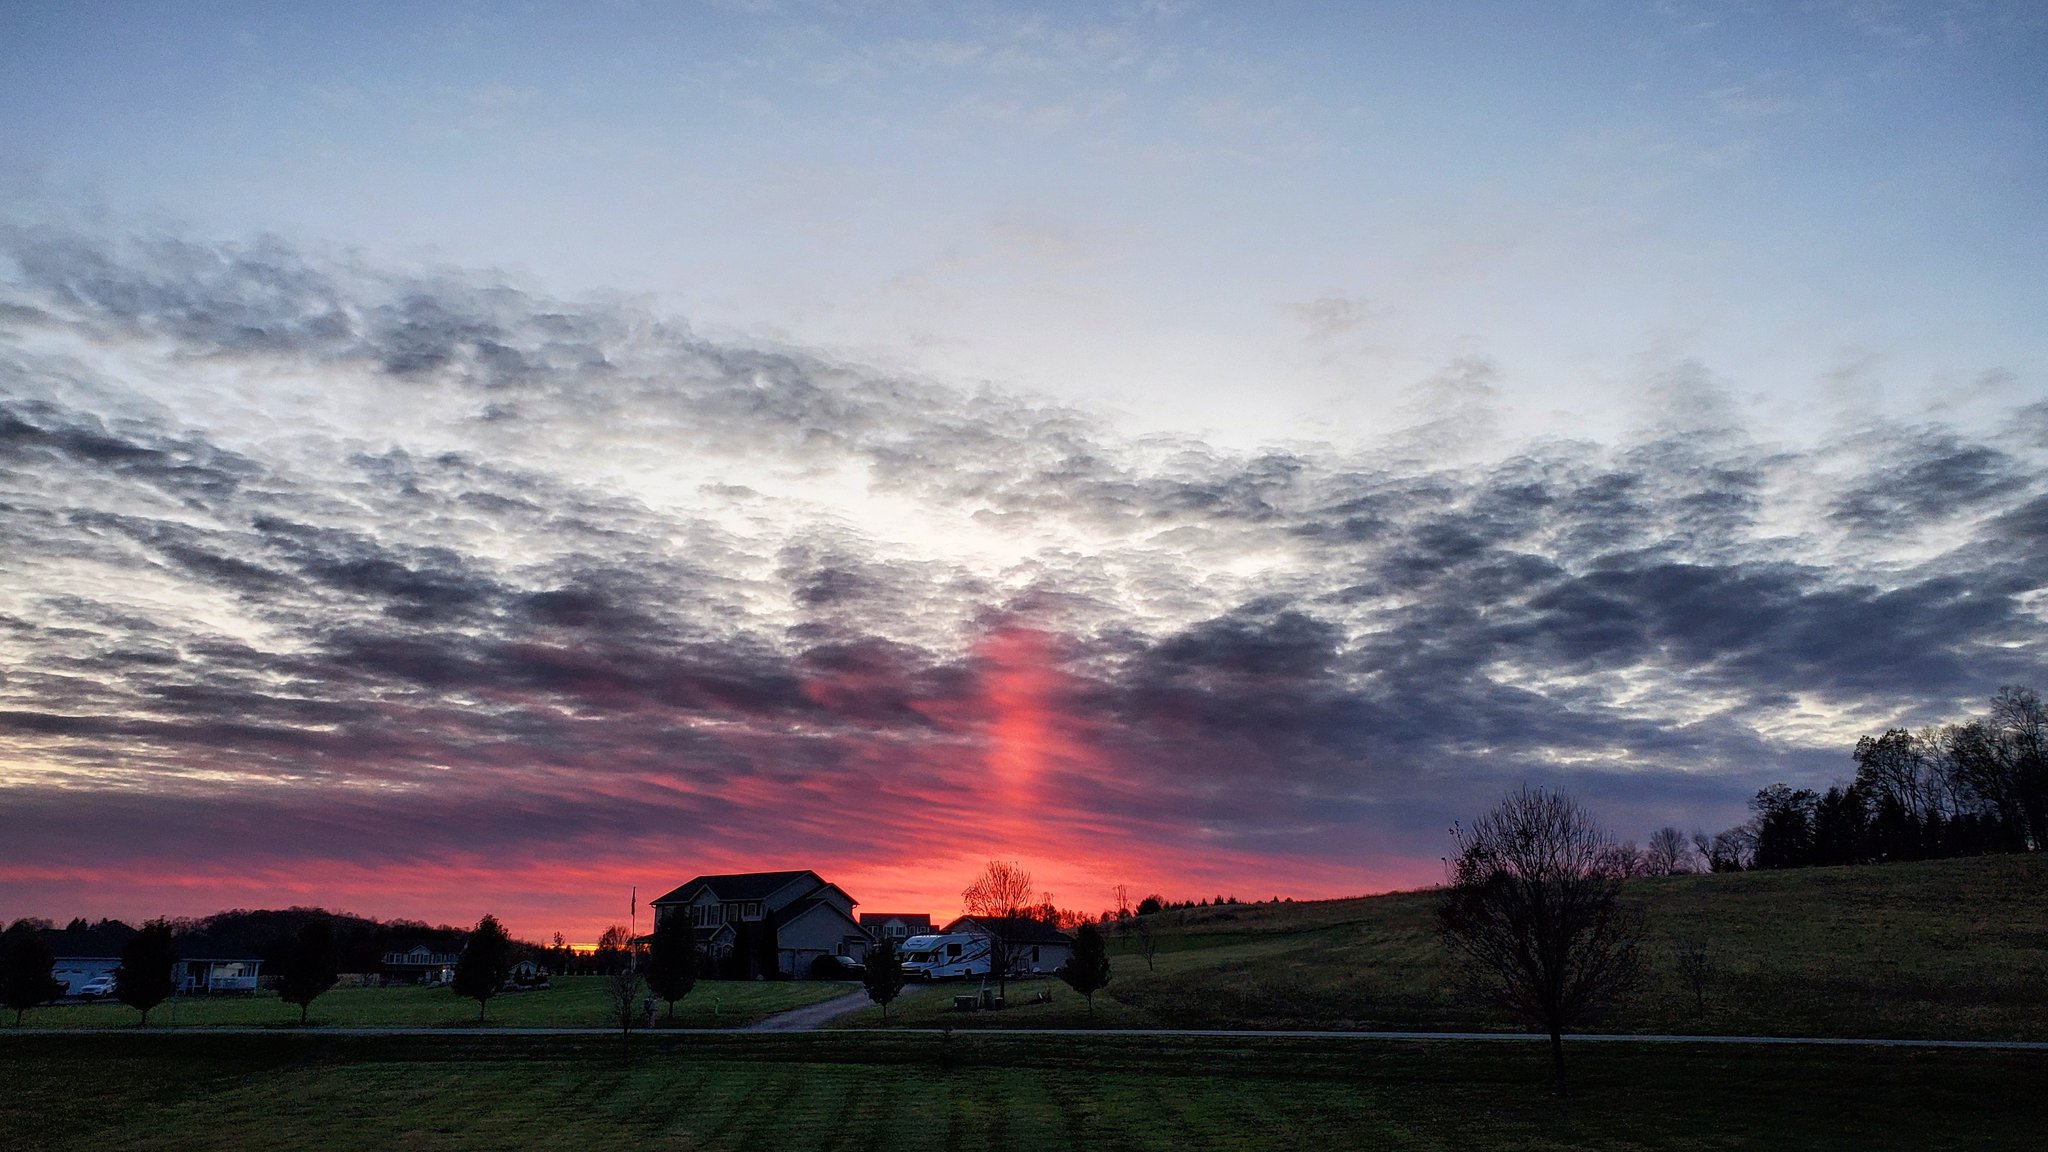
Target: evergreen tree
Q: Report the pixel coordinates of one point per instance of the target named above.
(672, 962)
(883, 976)
(485, 962)
(1087, 971)
(144, 979)
(26, 964)
(309, 967)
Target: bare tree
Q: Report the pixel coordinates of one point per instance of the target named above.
(1534, 914)
(1630, 860)
(1144, 937)
(1666, 855)
(1696, 964)
(623, 992)
(997, 898)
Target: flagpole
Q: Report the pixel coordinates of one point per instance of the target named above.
(632, 949)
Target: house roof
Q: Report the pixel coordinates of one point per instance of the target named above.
(736, 886)
(1015, 929)
(798, 909)
(870, 919)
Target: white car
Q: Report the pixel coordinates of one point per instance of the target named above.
(97, 988)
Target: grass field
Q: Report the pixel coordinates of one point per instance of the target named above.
(989, 1091)
(573, 1001)
(1942, 949)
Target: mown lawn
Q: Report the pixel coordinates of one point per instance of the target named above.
(991, 1091)
(1942, 949)
(572, 1002)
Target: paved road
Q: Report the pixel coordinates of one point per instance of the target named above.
(1239, 1034)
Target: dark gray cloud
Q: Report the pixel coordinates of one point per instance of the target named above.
(336, 559)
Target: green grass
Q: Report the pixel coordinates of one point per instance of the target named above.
(572, 1002)
(989, 1091)
(1942, 949)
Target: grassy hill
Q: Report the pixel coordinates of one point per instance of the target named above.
(1941, 949)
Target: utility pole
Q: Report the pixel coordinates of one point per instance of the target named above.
(632, 930)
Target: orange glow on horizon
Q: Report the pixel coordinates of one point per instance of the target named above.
(1011, 769)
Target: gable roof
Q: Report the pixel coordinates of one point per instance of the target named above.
(1015, 929)
(799, 908)
(736, 886)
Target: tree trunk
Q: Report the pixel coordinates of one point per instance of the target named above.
(1557, 1061)
(480, 1010)
(303, 1009)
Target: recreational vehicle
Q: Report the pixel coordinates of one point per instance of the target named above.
(945, 957)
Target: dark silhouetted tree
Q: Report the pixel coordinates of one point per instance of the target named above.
(1150, 904)
(1534, 914)
(1087, 969)
(485, 962)
(624, 990)
(1784, 826)
(26, 967)
(672, 962)
(614, 949)
(1667, 853)
(310, 966)
(1841, 827)
(1733, 850)
(1696, 965)
(144, 978)
(998, 896)
(883, 975)
(1142, 931)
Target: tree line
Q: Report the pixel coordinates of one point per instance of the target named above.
(1969, 788)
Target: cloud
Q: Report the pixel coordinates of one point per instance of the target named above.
(328, 565)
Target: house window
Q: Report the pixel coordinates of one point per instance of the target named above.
(732, 912)
(753, 910)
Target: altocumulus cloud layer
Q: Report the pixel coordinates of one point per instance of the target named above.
(421, 592)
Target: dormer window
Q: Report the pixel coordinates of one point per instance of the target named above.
(753, 910)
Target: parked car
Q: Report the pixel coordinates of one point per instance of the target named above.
(837, 968)
(97, 988)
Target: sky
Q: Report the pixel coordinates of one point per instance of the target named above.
(484, 458)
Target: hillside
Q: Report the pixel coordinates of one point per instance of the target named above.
(1949, 948)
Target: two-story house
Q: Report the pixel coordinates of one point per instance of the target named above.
(812, 917)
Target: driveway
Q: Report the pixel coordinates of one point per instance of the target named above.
(812, 1016)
